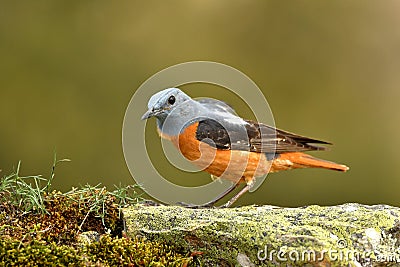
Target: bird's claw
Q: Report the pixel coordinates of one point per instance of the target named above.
(194, 206)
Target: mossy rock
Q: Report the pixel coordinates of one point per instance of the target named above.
(55, 238)
(345, 235)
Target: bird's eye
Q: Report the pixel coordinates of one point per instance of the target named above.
(171, 100)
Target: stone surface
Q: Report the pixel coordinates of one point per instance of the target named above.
(344, 235)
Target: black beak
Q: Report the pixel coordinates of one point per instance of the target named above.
(150, 113)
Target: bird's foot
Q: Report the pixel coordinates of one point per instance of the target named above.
(149, 202)
(226, 205)
(194, 206)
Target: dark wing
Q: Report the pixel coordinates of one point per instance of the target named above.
(264, 138)
(255, 137)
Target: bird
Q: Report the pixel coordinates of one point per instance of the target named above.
(210, 134)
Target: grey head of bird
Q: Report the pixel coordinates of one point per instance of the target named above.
(173, 110)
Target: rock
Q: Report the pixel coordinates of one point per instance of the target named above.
(86, 238)
(344, 235)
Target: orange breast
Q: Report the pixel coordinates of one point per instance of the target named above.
(234, 165)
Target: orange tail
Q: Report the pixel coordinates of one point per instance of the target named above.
(296, 160)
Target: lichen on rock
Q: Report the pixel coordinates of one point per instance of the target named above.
(344, 235)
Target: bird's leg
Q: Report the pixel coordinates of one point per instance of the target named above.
(230, 189)
(236, 197)
(212, 202)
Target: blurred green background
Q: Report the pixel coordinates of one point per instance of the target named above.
(329, 70)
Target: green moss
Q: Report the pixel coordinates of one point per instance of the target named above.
(40, 227)
(125, 252)
(108, 251)
(55, 238)
(37, 253)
